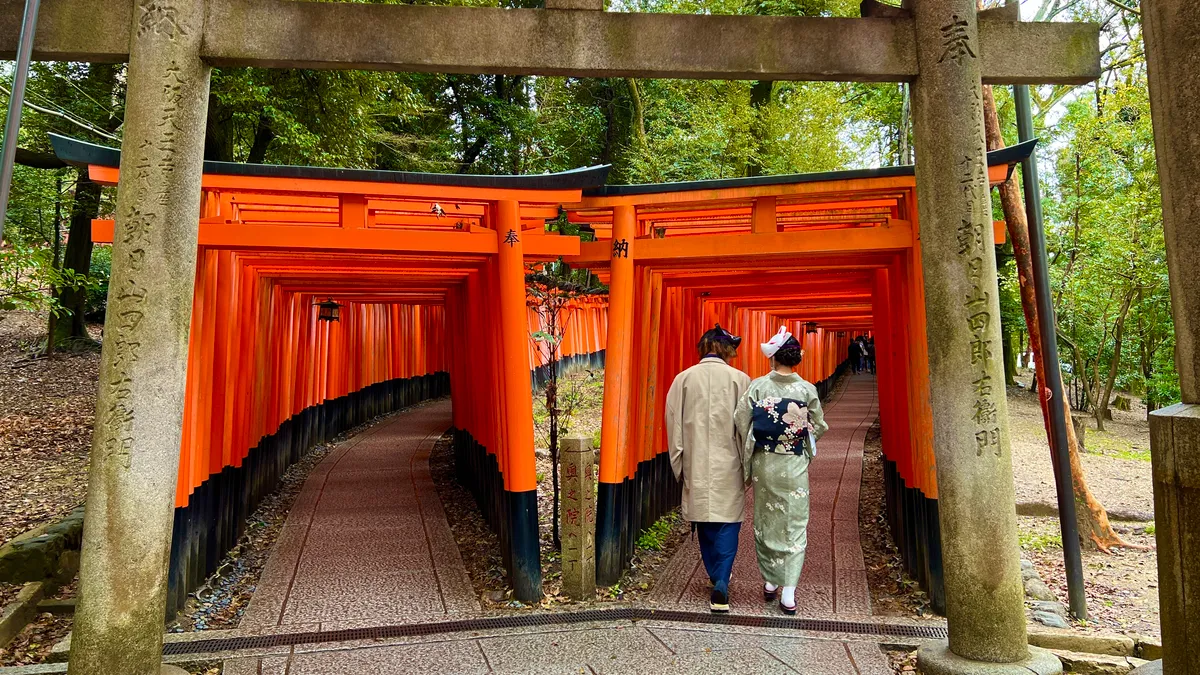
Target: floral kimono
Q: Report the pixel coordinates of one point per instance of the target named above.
(780, 417)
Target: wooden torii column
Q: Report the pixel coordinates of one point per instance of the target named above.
(170, 45)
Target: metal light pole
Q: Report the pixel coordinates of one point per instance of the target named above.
(1051, 373)
(16, 101)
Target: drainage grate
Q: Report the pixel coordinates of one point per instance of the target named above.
(551, 619)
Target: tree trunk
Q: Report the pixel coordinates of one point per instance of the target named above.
(1090, 513)
(1102, 412)
(760, 97)
(262, 140)
(639, 113)
(1010, 357)
(78, 257)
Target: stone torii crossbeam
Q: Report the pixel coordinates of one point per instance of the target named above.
(943, 47)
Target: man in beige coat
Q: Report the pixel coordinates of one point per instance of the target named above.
(707, 454)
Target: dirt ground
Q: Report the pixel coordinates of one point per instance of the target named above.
(893, 593)
(1122, 587)
(1116, 461)
(45, 425)
(46, 411)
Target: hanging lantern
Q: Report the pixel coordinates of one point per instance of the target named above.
(328, 310)
(810, 327)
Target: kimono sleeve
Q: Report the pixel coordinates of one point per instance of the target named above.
(816, 414)
(674, 419)
(741, 426)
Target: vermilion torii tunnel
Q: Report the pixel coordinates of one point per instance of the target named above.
(428, 272)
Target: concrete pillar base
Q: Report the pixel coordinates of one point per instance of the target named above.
(168, 669)
(1152, 668)
(935, 658)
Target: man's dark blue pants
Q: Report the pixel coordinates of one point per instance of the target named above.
(718, 546)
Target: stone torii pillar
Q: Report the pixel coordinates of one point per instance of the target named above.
(143, 366)
(1171, 27)
(980, 556)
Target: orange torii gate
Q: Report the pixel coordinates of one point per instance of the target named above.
(830, 255)
(429, 272)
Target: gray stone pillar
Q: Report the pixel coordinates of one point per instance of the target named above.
(1171, 27)
(980, 555)
(578, 513)
(1174, 68)
(139, 411)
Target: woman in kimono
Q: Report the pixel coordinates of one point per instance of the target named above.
(780, 417)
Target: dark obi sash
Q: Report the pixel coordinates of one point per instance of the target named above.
(781, 425)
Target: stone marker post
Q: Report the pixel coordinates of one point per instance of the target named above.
(980, 555)
(578, 513)
(1174, 69)
(139, 408)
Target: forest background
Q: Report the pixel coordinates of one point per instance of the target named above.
(1100, 183)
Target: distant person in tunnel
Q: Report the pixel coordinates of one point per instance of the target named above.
(706, 454)
(871, 355)
(781, 420)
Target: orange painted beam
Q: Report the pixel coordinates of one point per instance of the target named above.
(293, 237)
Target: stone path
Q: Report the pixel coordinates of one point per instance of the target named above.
(598, 649)
(366, 542)
(367, 545)
(834, 581)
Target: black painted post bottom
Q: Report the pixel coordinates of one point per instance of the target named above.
(524, 546)
(608, 534)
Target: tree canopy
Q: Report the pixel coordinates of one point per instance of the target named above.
(1104, 220)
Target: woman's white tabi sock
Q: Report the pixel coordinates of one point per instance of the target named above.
(770, 588)
(789, 596)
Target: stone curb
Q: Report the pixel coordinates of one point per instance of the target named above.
(1109, 645)
(1096, 664)
(37, 554)
(18, 613)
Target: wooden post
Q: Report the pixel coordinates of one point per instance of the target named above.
(520, 470)
(763, 217)
(578, 498)
(618, 385)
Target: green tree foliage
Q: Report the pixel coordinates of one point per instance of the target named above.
(1110, 258)
(1104, 218)
(48, 249)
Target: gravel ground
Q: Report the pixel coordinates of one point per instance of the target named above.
(893, 593)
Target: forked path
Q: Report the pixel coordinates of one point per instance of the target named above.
(366, 542)
(834, 580)
(367, 545)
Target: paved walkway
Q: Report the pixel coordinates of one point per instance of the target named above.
(366, 542)
(367, 545)
(599, 649)
(834, 581)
